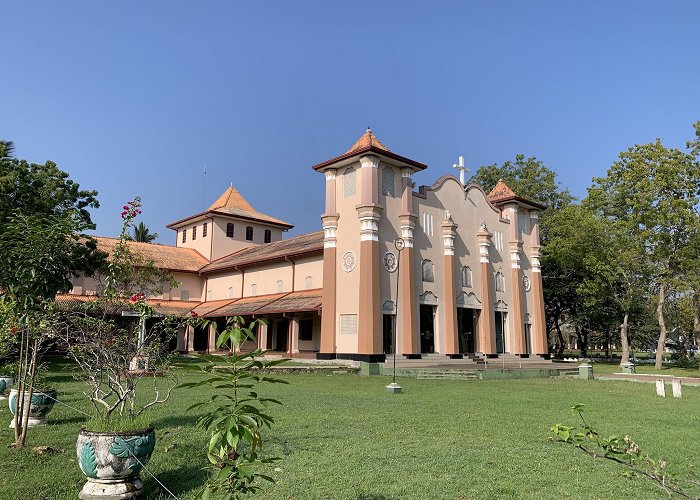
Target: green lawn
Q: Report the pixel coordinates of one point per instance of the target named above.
(601, 367)
(344, 437)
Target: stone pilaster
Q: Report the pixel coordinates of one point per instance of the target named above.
(295, 335)
(408, 302)
(369, 314)
(327, 347)
(487, 338)
(262, 335)
(539, 328)
(449, 228)
(516, 247)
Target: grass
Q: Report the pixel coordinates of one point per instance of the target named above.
(601, 367)
(343, 437)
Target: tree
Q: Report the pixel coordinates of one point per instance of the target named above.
(652, 192)
(142, 234)
(6, 148)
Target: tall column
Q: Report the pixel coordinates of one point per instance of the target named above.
(211, 340)
(487, 338)
(190, 338)
(369, 213)
(449, 288)
(539, 328)
(262, 335)
(182, 339)
(330, 265)
(295, 335)
(408, 302)
(516, 246)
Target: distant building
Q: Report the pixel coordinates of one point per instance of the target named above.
(469, 277)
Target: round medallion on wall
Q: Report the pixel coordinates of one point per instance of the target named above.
(349, 261)
(390, 262)
(526, 283)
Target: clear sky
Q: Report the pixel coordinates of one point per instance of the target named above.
(138, 98)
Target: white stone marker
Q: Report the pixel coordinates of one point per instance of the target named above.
(660, 388)
(676, 384)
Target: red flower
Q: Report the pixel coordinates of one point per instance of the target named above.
(194, 314)
(134, 298)
(126, 207)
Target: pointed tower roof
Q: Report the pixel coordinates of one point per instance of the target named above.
(368, 140)
(501, 193)
(231, 198)
(231, 203)
(369, 143)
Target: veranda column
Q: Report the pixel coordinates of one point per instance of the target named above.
(516, 246)
(487, 339)
(407, 307)
(449, 292)
(262, 336)
(190, 338)
(295, 335)
(539, 328)
(330, 265)
(369, 212)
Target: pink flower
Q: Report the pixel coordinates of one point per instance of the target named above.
(194, 314)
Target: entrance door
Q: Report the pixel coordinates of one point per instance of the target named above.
(388, 333)
(465, 329)
(500, 332)
(427, 329)
(281, 334)
(201, 339)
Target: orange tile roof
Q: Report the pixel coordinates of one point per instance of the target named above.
(307, 300)
(165, 307)
(367, 141)
(306, 243)
(205, 308)
(163, 256)
(501, 192)
(246, 305)
(232, 203)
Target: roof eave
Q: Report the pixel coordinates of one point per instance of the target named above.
(344, 159)
(255, 262)
(520, 201)
(202, 215)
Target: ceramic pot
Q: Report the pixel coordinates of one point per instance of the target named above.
(111, 461)
(42, 402)
(5, 384)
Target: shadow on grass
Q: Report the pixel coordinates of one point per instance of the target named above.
(70, 420)
(174, 421)
(372, 496)
(180, 481)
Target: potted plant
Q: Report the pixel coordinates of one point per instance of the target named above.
(107, 340)
(8, 372)
(35, 409)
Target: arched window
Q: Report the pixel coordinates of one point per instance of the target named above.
(230, 292)
(229, 230)
(209, 294)
(428, 270)
(184, 295)
(268, 236)
(184, 235)
(253, 289)
(249, 233)
(388, 182)
(194, 233)
(280, 286)
(500, 282)
(204, 230)
(349, 182)
(466, 277)
(309, 283)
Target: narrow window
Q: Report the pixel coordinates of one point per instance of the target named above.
(428, 272)
(204, 230)
(249, 233)
(388, 182)
(184, 295)
(306, 329)
(253, 289)
(209, 294)
(500, 282)
(194, 233)
(268, 236)
(466, 277)
(230, 292)
(229, 230)
(349, 182)
(280, 286)
(309, 283)
(184, 235)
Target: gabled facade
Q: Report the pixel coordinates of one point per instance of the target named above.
(466, 282)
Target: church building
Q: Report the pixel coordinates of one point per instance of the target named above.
(442, 271)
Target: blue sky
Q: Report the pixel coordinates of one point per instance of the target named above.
(138, 98)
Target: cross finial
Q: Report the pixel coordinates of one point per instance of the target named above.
(462, 169)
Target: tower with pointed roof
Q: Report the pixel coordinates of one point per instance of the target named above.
(229, 224)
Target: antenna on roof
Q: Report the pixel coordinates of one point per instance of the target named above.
(204, 189)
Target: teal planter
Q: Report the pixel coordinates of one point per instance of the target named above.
(111, 462)
(5, 384)
(41, 404)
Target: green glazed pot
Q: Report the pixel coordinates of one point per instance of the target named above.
(5, 384)
(42, 402)
(111, 461)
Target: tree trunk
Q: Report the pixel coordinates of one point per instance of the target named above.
(624, 339)
(661, 346)
(560, 337)
(582, 335)
(696, 318)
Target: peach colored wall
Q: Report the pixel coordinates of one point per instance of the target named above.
(219, 285)
(308, 266)
(203, 244)
(348, 239)
(224, 245)
(193, 283)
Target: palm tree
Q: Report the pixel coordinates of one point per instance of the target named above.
(142, 234)
(6, 149)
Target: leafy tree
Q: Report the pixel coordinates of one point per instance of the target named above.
(652, 192)
(6, 148)
(142, 234)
